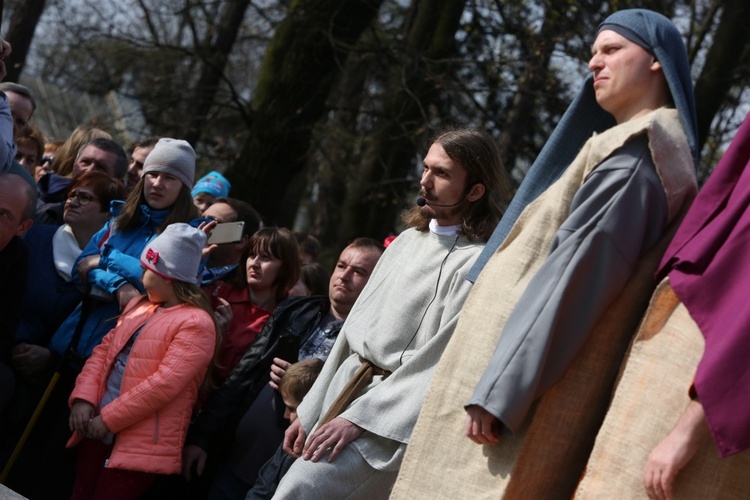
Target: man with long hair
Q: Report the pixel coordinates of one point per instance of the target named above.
(356, 421)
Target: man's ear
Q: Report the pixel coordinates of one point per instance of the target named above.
(24, 226)
(656, 65)
(476, 192)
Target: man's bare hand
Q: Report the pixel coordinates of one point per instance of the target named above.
(223, 315)
(332, 436)
(193, 460)
(668, 458)
(125, 294)
(207, 227)
(87, 264)
(30, 359)
(278, 369)
(482, 427)
(294, 439)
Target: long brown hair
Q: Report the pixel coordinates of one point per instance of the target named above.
(280, 244)
(188, 293)
(183, 209)
(191, 294)
(479, 155)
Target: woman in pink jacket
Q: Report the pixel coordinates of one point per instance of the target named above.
(132, 402)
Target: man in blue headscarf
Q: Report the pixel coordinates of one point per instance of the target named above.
(565, 280)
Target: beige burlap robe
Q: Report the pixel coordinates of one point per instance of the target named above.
(546, 458)
(651, 395)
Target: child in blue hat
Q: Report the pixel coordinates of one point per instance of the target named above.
(209, 187)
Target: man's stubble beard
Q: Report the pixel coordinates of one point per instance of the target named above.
(420, 217)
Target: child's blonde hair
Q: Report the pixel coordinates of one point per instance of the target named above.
(300, 377)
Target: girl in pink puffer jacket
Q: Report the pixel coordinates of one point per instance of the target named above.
(132, 403)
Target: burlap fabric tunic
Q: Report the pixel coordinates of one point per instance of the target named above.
(652, 393)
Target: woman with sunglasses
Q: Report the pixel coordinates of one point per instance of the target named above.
(45, 163)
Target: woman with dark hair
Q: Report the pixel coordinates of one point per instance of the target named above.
(269, 268)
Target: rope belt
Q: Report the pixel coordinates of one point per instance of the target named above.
(361, 378)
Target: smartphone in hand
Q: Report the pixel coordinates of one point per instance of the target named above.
(228, 232)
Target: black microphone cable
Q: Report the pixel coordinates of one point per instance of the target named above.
(434, 296)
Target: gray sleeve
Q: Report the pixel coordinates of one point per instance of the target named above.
(617, 214)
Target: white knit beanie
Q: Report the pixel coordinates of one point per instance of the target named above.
(174, 157)
(176, 253)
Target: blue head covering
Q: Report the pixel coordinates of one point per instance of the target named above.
(212, 183)
(662, 39)
(584, 116)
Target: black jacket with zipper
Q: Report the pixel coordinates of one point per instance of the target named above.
(290, 325)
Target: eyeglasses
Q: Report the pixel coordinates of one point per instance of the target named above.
(46, 159)
(83, 198)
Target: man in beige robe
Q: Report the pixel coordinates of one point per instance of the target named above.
(397, 330)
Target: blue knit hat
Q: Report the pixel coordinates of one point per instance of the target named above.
(584, 116)
(214, 184)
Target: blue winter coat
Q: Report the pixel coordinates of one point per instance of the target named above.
(119, 264)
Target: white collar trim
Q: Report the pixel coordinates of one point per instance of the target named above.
(443, 230)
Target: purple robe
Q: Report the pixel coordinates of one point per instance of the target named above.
(708, 263)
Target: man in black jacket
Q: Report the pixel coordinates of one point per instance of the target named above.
(249, 412)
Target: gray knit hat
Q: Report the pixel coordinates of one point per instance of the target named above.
(174, 157)
(176, 253)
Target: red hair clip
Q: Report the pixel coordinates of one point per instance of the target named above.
(152, 256)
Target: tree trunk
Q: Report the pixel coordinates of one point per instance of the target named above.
(337, 157)
(722, 68)
(521, 118)
(301, 63)
(20, 33)
(374, 196)
(213, 62)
